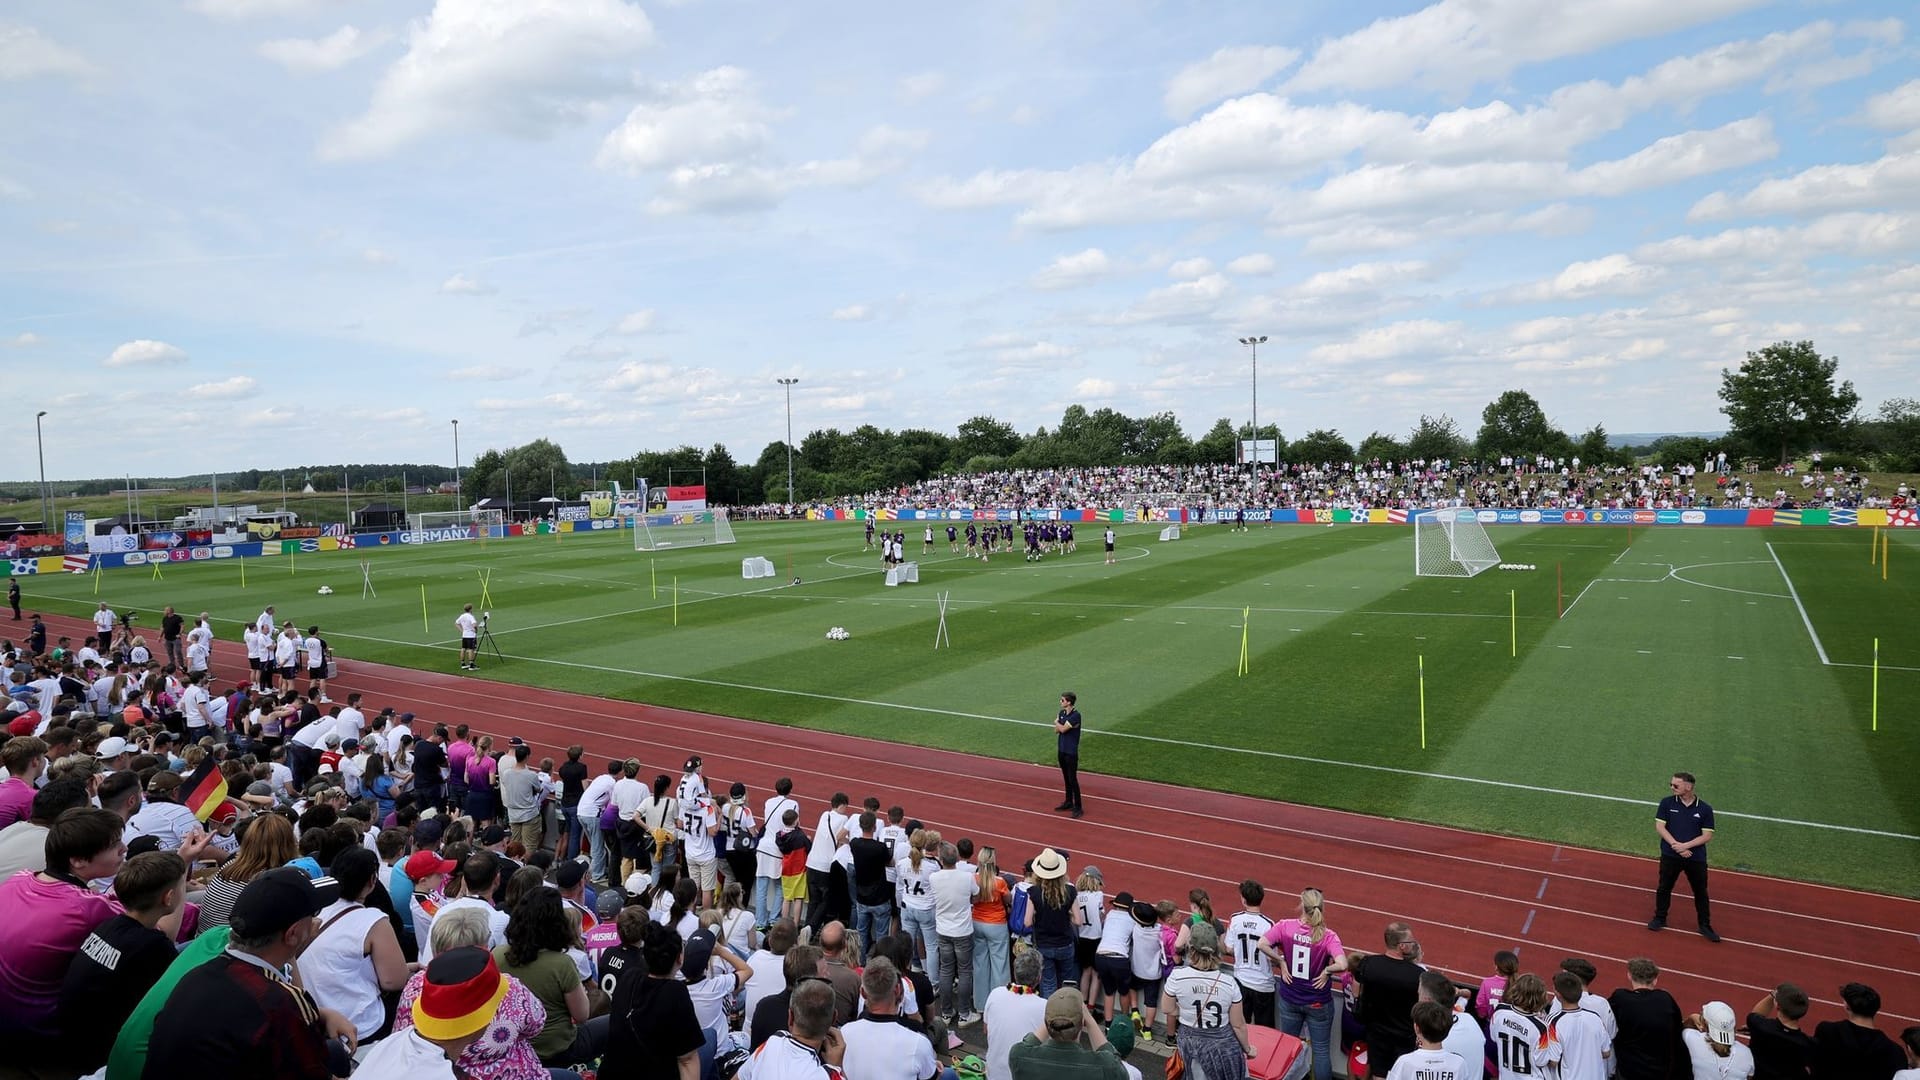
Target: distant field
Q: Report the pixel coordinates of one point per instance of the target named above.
(1681, 649)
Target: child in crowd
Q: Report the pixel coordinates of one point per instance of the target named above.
(1506, 964)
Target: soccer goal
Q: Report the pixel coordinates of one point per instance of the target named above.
(482, 520)
(1451, 543)
(654, 532)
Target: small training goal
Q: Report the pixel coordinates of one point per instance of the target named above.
(480, 520)
(1451, 543)
(696, 528)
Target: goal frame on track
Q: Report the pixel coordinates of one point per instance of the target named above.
(1451, 543)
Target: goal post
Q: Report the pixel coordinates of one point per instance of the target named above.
(1451, 543)
(697, 528)
(480, 520)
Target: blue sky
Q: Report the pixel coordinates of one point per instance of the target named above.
(266, 232)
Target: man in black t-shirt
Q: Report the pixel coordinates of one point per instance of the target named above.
(573, 782)
(1685, 824)
(170, 625)
(121, 960)
(1648, 1046)
(1389, 986)
(1067, 726)
(872, 898)
(625, 960)
(1855, 1049)
(1781, 1051)
(654, 1029)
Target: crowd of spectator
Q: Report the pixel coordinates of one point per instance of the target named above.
(427, 901)
(1410, 485)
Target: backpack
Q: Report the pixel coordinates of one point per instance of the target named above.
(739, 838)
(1020, 912)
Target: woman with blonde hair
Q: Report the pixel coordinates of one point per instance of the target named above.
(483, 780)
(1204, 1018)
(992, 958)
(1306, 955)
(268, 844)
(1052, 908)
(913, 876)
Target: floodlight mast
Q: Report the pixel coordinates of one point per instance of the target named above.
(788, 385)
(1254, 344)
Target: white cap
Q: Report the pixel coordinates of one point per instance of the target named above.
(110, 747)
(1719, 1018)
(636, 883)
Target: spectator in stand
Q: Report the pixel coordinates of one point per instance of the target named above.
(913, 882)
(1304, 955)
(1052, 916)
(483, 781)
(573, 784)
(1711, 1047)
(1854, 1049)
(767, 964)
(1060, 1054)
(766, 882)
(1910, 1042)
(430, 769)
(505, 1051)
(1252, 968)
(520, 790)
(538, 937)
(457, 1006)
(1204, 1018)
(595, 798)
(872, 895)
(841, 965)
(23, 844)
(655, 1032)
(1430, 1059)
(268, 1028)
(878, 1047)
(991, 940)
(1781, 1050)
(25, 758)
(1465, 1037)
(1583, 969)
(479, 876)
(952, 890)
(1576, 1038)
(355, 956)
(1388, 984)
(122, 959)
(1506, 964)
(268, 843)
(1517, 1030)
(1013, 1010)
(1648, 1045)
(802, 963)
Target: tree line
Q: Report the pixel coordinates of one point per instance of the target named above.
(1782, 401)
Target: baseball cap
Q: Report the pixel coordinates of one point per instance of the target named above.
(140, 845)
(492, 834)
(404, 717)
(24, 723)
(260, 793)
(693, 763)
(163, 783)
(737, 791)
(332, 740)
(1123, 901)
(110, 747)
(429, 830)
(224, 813)
(1719, 1018)
(350, 744)
(422, 864)
(608, 902)
(697, 954)
(569, 873)
(636, 883)
(1064, 1009)
(1120, 1035)
(279, 898)
(462, 992)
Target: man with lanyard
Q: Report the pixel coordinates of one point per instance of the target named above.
(1067, 726)
(1685, 824)
(268, 1026)
(469, 637)
(810, 1048)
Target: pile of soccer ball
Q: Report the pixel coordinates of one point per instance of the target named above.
(325, 590)
(838, 633)
(1518, 566)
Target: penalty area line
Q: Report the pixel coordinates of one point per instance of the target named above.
(1214, 747)
(1794, 595)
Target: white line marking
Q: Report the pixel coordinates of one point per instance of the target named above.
(1794, 594)
(1736, 658)
(1576, 601)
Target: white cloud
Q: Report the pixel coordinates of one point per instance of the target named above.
(516, 67)
(376, 257)
(1181, 302)
(1888, 182)
(462, 285)
(1227, 72)
(1188, 269)
(26, 54)
(1252, 265)
(1856, 234)
(1362, 279)
(1896, 110)
(924, 84)
(13, 189)
(713, 117)
(1095, 388)
(487, 373)
(1023, 115)
(239, 386)
(1684, 156)
(1455, 44)
(24, 340)
(1414, 336)
(1080, 268)
(1613, 274)
(146, 353)
(307, 56)
(249, 9)
(636, 322)
(853, 313)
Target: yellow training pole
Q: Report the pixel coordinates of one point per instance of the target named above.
(676, 601)
(1423, 702)
(1874, 547)
(1876, 684)
(1246, 617)
(1886, 549)
(1513, 624)
(425, 627)
(653, 580)
(243, 573)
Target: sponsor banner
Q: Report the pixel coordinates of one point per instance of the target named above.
(23, 567)
(336, 529)
(131, 558)
(1760, 517)
(117, 540)
(436, 536)
(76, 530)
(1903, 518)
(600, 507)
(27, 545)
(179, 554)
(626, 507)
(1397, 517)
(200, 552)
(226, 551)
(1666, 517)
(1529, 517)
(689, 497)
(1870, 518)
(571, 512)
(1509, 517)
(71, 563)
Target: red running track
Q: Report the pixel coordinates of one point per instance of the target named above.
(1466, 894)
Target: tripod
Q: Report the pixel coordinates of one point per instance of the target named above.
(487, 644)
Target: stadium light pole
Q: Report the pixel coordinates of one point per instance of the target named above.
(788, 384)
(40, 443)
(1254, 344)
(457, 500)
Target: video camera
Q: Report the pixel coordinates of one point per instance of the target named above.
(126, 619)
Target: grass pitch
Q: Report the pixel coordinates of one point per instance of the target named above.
(1742, 655)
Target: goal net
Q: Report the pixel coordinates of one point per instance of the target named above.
(481, 520)
(1451, 543)
(654, 532)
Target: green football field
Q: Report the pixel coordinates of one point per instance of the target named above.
(1742, 655)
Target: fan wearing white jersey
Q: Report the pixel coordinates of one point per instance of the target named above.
(1251, 968)
(1576, 1038)
(1518, 1026)
(1430, 1060)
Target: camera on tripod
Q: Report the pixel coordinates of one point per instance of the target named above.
(126, 620)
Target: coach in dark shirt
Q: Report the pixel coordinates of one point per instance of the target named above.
(1781, 1051)
(1389, 986)
(1067, 726)
(1648, 1046)
(1685, 824)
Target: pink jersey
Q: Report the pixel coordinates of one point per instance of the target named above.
(1492, 989)
(1305, 960)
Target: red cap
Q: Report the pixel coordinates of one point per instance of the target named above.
(25, 723)
(422, 864)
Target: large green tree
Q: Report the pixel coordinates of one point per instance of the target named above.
(1321, 445)
(1783, 398)
(1436, 438)
(1514, 423)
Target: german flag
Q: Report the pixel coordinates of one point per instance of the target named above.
(204, 790)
